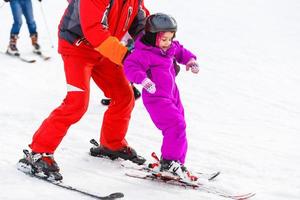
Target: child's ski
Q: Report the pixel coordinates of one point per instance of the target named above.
(129, 165)
(196, 186)
(148, 167)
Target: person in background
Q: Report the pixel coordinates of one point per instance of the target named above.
(91, 47)
(19, 8)
(152, 65)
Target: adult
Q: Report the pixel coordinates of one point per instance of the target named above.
(91, 47)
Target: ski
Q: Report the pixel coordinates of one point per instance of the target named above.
(148, 167)
(23, 59)
(42, 55)
(27, 60)
(55, 178)
(196, 186)
(83, 192)
(69, 187)
(145, 167)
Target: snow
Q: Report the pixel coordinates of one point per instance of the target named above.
(242, 109)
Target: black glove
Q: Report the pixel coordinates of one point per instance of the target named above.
(176, 67)
(7, 0)
(130, 45)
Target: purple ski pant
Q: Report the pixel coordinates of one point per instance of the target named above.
(168, 116)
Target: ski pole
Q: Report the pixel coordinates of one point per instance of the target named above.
(46, 24)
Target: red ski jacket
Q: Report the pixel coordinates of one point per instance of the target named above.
(90, 27)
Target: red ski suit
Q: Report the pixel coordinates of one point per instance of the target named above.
(96, 53)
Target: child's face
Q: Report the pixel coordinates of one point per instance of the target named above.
(165, 40)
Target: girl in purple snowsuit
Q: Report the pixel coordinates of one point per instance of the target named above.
(151, 64)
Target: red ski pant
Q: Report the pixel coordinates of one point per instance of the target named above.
(111, 79)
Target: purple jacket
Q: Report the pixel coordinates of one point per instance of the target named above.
(152, 62)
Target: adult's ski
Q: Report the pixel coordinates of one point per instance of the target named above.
(55, 178)
(71, 188)
(196, 186)
(60, 184)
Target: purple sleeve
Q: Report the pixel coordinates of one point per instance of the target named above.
(135, 67)
(182, 55)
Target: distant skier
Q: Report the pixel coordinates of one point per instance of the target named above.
(151, 65)
(19, 7)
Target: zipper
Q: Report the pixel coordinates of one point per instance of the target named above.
(173, 80)
(128, 18)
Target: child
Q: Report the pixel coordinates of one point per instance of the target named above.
(151, 65)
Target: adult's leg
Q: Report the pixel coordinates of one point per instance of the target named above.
(111, 79)
(17, 16)
(28, 14)
(54, 128)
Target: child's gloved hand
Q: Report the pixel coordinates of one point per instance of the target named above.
(193, 65)
(149, 85)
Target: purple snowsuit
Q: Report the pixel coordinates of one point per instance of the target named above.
(164, 106)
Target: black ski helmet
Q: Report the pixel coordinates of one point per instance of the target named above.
(160, 22)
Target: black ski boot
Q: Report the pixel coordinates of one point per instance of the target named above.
(136, 93)
(126, 153)
(40, 164)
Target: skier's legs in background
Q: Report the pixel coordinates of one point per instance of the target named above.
(17, 12)
(28, 14)
(31, 24)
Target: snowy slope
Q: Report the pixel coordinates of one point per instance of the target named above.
(242, 110)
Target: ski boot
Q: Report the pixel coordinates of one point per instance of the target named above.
(178, 170)
(136, 93)
(126, 153)
(42, 165)
(171, 169)
(12, 47)
(35, 44)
